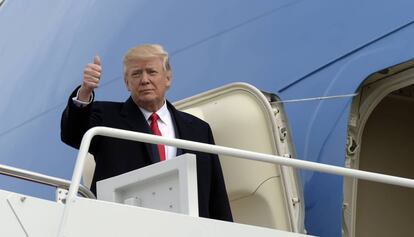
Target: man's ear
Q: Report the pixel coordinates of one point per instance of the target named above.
(169, 78)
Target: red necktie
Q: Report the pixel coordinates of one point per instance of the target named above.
(154, 127)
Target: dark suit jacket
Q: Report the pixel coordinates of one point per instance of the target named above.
(115, 156)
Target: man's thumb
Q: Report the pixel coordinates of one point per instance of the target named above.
(97, 60)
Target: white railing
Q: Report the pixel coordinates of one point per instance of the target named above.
(42, 179)
(214, 149)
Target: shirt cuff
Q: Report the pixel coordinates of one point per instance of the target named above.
(79, 103)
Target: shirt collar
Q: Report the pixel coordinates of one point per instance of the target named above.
(162, 112)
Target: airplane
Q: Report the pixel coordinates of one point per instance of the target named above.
(342, 71)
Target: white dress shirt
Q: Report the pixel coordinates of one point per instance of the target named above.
(166, 126)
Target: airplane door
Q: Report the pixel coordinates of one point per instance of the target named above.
(243, 117)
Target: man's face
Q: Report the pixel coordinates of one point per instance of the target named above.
(148, 82)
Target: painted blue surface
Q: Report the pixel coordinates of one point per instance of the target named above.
(297, 49)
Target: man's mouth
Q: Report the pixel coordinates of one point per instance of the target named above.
(146, 90)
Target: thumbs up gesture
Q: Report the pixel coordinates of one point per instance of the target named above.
(91, 77)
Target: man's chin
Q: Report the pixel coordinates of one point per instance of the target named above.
(147, 97)
(148, 100)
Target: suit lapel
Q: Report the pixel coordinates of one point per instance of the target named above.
(182, 126)
(133, 116)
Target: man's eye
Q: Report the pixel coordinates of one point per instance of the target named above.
(135, 74)
(152, 72)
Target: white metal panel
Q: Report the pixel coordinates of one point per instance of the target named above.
(28, 216)
(22, 215)
(99, 218)
(10, 225)
(170, 186)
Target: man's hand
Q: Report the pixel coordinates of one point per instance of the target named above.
(91, 77)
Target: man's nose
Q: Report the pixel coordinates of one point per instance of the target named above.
(145, 78)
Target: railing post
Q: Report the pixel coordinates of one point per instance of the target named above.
(76, 177)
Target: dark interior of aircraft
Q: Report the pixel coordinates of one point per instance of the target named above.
(387, 147)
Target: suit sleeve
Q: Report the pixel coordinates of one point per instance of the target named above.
(76, 121)
(219, 201)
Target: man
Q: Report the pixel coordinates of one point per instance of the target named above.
(147, 76)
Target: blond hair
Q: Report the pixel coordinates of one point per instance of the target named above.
(147, 51)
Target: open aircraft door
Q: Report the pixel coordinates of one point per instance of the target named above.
(243, 117)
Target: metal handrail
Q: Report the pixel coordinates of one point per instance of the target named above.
(43, 179)
(214, 149)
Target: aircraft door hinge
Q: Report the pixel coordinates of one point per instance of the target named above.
(282, 133)
(275, 110)
(351, 149)
(287, 155)
(353, 120)
(295, 201)
(351, 145)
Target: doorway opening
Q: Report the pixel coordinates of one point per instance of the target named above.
(381, 139)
